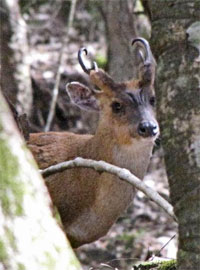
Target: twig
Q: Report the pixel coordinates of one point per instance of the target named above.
(58, 75)
(124, 174)
(159, 252)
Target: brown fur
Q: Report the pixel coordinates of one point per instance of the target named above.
(89, 202)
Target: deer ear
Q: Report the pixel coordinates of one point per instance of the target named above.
(82, 96)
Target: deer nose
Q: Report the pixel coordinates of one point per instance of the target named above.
(147, 129)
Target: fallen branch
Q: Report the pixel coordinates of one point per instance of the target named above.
(124, 174)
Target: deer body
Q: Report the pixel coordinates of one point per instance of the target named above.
(89, 202)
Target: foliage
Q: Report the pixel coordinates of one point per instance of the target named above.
(101, 61)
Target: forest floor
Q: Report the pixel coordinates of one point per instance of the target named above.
(144, 229)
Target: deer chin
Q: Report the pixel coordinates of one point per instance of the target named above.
(145, 140)
(150, 139)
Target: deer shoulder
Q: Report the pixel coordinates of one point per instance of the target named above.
(89, 202)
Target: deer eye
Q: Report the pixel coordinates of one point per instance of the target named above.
(117, 107)
(152, 101)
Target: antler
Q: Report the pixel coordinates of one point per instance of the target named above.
(97, 76)
(83, 65)
(147, 48)
(148, 70)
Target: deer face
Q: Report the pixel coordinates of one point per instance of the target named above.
(134, 111)
(126, 108)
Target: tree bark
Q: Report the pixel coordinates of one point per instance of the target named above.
(8, 83)
(15, 58)
(120, 30)
(30, 238)
(176, 43)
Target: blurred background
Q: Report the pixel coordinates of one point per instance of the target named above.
(39, 44)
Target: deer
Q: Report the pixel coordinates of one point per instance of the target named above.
(90, 202)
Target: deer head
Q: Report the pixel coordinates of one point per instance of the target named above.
(126, 107)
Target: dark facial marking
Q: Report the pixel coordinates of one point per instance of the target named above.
(140, 97)
(137, 98)
(133, 99)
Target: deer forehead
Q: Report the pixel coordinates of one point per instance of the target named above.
(128, 97)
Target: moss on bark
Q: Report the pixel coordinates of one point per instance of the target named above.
(11, 191)
(176, 44)
(165, 265)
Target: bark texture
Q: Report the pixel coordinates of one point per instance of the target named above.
(7, 82)
(176, 43)
(15, 57)
(120, 30)
(30, 238)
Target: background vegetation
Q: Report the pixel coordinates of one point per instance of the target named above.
(38, 42)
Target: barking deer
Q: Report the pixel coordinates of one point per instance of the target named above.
(89, 202)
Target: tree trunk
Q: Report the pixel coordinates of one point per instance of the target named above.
(30, 238)
(176, 43)
(7, 82)
(120, 30)
(15, 58)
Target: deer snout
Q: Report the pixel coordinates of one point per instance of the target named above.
(147, 129)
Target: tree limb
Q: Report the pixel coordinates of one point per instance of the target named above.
(123, 174)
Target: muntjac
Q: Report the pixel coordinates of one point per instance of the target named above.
(89, 202)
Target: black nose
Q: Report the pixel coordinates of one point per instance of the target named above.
(147, 129)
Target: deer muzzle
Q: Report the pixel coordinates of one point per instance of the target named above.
(148, 129)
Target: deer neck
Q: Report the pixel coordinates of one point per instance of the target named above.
(133, 155)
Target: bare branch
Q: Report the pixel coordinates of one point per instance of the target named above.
(123, 174)
(60, 61)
